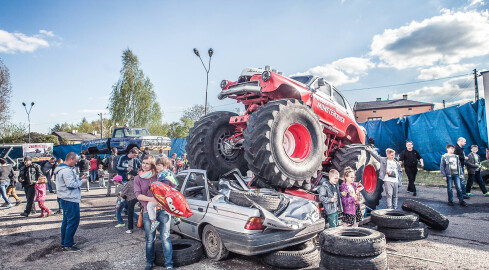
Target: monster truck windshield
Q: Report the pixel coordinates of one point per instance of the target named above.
(302, 79)
(136, 132)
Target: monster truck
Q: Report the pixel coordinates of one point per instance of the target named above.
(293, 129)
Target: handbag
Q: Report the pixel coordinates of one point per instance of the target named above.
(140, 219)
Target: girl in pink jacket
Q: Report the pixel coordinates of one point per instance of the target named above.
(350, 199)
(41, 195)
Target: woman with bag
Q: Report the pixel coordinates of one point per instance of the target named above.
(142, 183)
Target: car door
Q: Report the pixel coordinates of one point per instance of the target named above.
(195, 191)
(117, 140)
(323, 103)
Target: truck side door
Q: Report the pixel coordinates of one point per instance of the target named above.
(196, 193)
(323, 103)
(117, 140)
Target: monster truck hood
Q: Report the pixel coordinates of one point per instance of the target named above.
(251, 71)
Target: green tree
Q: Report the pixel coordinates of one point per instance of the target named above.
(5, 93)
(195, 112)
(133, 100)
(180, 129)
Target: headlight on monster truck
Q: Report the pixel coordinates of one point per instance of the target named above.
(224, 83)
(265, 76)
(146, 143)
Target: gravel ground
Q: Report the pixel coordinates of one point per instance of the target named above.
(33, 243)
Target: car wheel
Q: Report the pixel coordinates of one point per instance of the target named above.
(213, 245)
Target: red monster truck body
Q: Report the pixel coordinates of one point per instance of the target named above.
(293, 128)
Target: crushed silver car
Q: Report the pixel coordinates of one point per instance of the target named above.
(228, 216)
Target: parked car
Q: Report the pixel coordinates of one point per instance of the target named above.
(125, 138)
(223, 226)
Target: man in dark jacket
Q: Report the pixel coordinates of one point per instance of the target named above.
(29, 173)
(409, 158)
(84, 167)
(47, 169)
(111, 163)
(459, 151)
(474, 170)
(128, 163)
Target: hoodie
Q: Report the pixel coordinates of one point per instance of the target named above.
(67, 183)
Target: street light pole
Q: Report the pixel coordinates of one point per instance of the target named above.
(28, 117)
(207, 70)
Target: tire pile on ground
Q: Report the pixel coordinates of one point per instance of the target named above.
(399, 225)
(294, 257)
(352, 248)
(185, 252)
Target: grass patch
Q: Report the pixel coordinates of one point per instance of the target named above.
(431, 179)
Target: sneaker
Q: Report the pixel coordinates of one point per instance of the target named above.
(466, 197)
(58, 212)
(24, 214)
(9, 206)
(463, 203)
(41, 215)
(469, 194)
(176, 221)
(128, 231)
(120, 225)
(450, 203)
(154, 225)
(71, 249)
(4, 204)
(487, 194)
(169, 268)
(49, 213)
(17, 203)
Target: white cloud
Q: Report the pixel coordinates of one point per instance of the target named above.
(454, 91)
(342, 71)
(19, 42)
(444, 39)
(443, 71)
(476, 3)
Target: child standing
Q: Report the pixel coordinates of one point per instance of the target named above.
(450, 170)
(350, 199)
(41, 195)
(101, 175)
(474, 168)
(391, 173)
(328, 195)
(165, 176)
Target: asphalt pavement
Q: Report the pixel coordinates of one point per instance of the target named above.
(33, 243)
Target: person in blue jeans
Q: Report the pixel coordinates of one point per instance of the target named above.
(69, 192)
(450, 170)
(142, 183)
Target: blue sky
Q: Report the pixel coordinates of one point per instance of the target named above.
(66, 55)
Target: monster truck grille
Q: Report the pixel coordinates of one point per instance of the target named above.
(241, 88)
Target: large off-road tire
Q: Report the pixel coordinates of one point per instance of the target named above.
(295, 257)
(284, 143)
(396, 219)
(270, 202)
(213, 245)
(408, 234)
(354, 242)
(332, 262)
(208, 149)
(427, 215)
(185, 252)
(358, 157)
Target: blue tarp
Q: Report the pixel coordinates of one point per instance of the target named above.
(432, 131)
(178, 146)
(60, 151)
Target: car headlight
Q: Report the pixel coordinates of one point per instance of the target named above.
(224, 83)
(265, 76)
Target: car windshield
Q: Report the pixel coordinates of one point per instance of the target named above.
(302, 79)
(136, 132)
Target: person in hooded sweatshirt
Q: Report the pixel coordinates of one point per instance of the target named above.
(68, 189)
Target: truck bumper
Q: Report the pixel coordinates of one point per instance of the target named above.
(253, 244)
(243, 88)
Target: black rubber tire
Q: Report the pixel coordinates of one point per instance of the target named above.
(185, 252)
(396, 219)
(264, 138)
(357, 156)
(354, 242)
(333, 262)
(174, 237)
(203, 146)
(213, 245)
(408, 234)
(268, 201)
(298, 256)
(427, 215)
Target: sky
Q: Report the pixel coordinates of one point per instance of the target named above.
(66, 55)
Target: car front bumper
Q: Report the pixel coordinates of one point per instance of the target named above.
(258, 243)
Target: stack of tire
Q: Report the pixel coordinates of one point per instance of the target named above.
(294, 257)
(399, 225)
(427, 215)
(352, 248)
(185, 252)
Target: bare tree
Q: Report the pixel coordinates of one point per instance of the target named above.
(195, 112)
(5, 92)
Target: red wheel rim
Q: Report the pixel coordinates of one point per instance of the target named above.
(369, 178)
(297, 142)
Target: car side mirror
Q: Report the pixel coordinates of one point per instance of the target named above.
(321, 82)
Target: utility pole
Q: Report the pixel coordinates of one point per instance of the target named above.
(476, 85)
(101, 125)
(207, 70)
(443, 104)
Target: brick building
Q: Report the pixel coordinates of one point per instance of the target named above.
(389, 109)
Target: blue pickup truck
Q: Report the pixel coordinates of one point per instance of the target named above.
(125, 138)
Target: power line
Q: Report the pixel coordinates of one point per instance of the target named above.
(407, 83)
